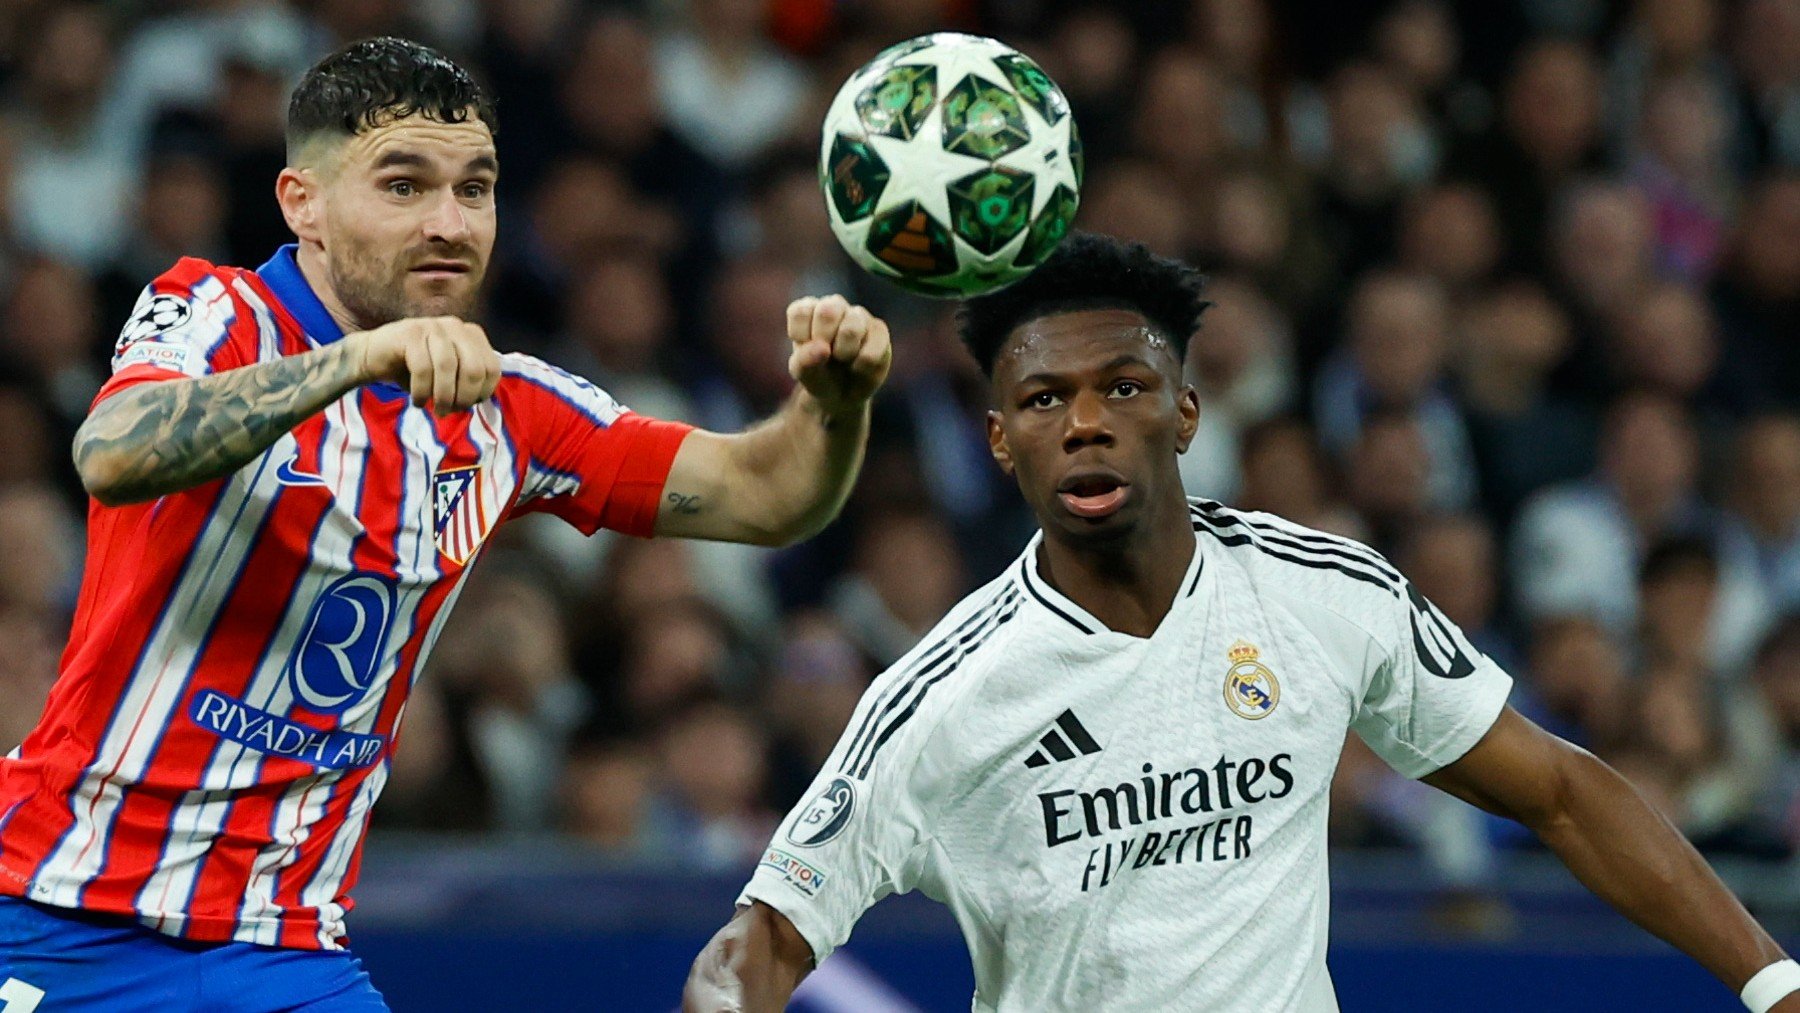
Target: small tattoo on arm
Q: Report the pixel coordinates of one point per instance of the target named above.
(684, 503)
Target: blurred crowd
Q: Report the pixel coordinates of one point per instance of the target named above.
(1510, 291)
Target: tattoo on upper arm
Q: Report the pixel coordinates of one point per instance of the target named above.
(684, 503)
(176, 435)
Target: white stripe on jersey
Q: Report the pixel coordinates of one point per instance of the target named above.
(305, 800)
(156, 683)
(343, 449)
(267, 331)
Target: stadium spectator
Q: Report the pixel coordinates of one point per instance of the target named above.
(724, 88)
(1394, 360)
(1525, 433)
(617, 333)
(1448, 232)
(906, 575)
(1241, 361)
(1763, 518)
(1576, 679)
(1777, 678)
(74, 168)
(708, 799)
(605, 795)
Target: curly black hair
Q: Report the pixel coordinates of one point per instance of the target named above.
(1088, 271)
(375, 81)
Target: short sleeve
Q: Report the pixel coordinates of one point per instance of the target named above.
(856, 836)
(589, 459)
(1428, 695)
(185, 324)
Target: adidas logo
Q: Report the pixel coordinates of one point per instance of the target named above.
(1058, 747)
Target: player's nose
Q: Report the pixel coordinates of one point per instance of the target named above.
(447, 222)
(1085, 423)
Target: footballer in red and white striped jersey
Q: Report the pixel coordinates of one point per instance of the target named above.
(241, 654)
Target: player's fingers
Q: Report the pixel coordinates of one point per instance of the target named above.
(799, 319)
(877, 350)
(418, 367)
(492, 370)
(851, 333)
(827, 315)
(443, 371)
(473, 383)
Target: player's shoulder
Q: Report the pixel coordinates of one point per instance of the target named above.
(970, 632)
(195, 276)
(193, 304)
(1286, 558)
(916, 693)
(530, 379)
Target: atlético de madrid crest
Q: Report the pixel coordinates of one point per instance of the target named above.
(459, 512)
(1251, 690)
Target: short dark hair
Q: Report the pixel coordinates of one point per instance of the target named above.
(1089, 271)
(376, 81)
(1677, 555)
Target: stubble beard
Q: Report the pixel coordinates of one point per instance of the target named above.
(374, 292)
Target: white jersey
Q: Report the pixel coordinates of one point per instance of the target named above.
(1121, 823)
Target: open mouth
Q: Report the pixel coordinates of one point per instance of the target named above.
(1093, 494)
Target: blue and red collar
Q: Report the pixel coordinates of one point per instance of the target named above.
(282, 274)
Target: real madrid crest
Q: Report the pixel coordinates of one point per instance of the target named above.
(1251, 690)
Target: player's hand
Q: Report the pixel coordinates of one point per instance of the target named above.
(841, 352)
(443, 362)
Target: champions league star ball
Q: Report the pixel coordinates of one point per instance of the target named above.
(950, 165)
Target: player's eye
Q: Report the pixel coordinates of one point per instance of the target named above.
(1126, 388)
(402, 188)
(1042, 399)
(474, 190)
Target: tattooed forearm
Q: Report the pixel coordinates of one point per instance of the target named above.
(163, 437)
(684, 503)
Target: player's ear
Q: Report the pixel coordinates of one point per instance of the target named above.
(997, 443)
(1187, 402)
(298, 191)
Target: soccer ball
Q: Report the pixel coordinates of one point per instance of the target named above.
(950, 165)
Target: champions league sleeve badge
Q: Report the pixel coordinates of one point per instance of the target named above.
(1251, 690)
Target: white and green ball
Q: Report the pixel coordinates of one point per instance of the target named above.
(950, 165)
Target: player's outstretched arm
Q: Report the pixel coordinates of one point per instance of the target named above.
(786, 478)
(753, 964)
(157, 438)
(1613, 842)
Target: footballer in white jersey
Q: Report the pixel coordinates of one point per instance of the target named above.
(1113, 762)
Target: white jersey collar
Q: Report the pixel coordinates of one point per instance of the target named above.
(1038, 590)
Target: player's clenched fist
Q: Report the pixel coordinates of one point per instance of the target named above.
(841, 352)
(442, 361)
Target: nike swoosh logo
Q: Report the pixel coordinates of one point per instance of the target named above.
(286, 474)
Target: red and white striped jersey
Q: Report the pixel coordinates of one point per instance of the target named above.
(226, 709)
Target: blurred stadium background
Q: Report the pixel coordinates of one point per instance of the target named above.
(1510, 290)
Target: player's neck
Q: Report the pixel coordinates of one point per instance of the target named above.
(1129, 584)
(311, 260)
